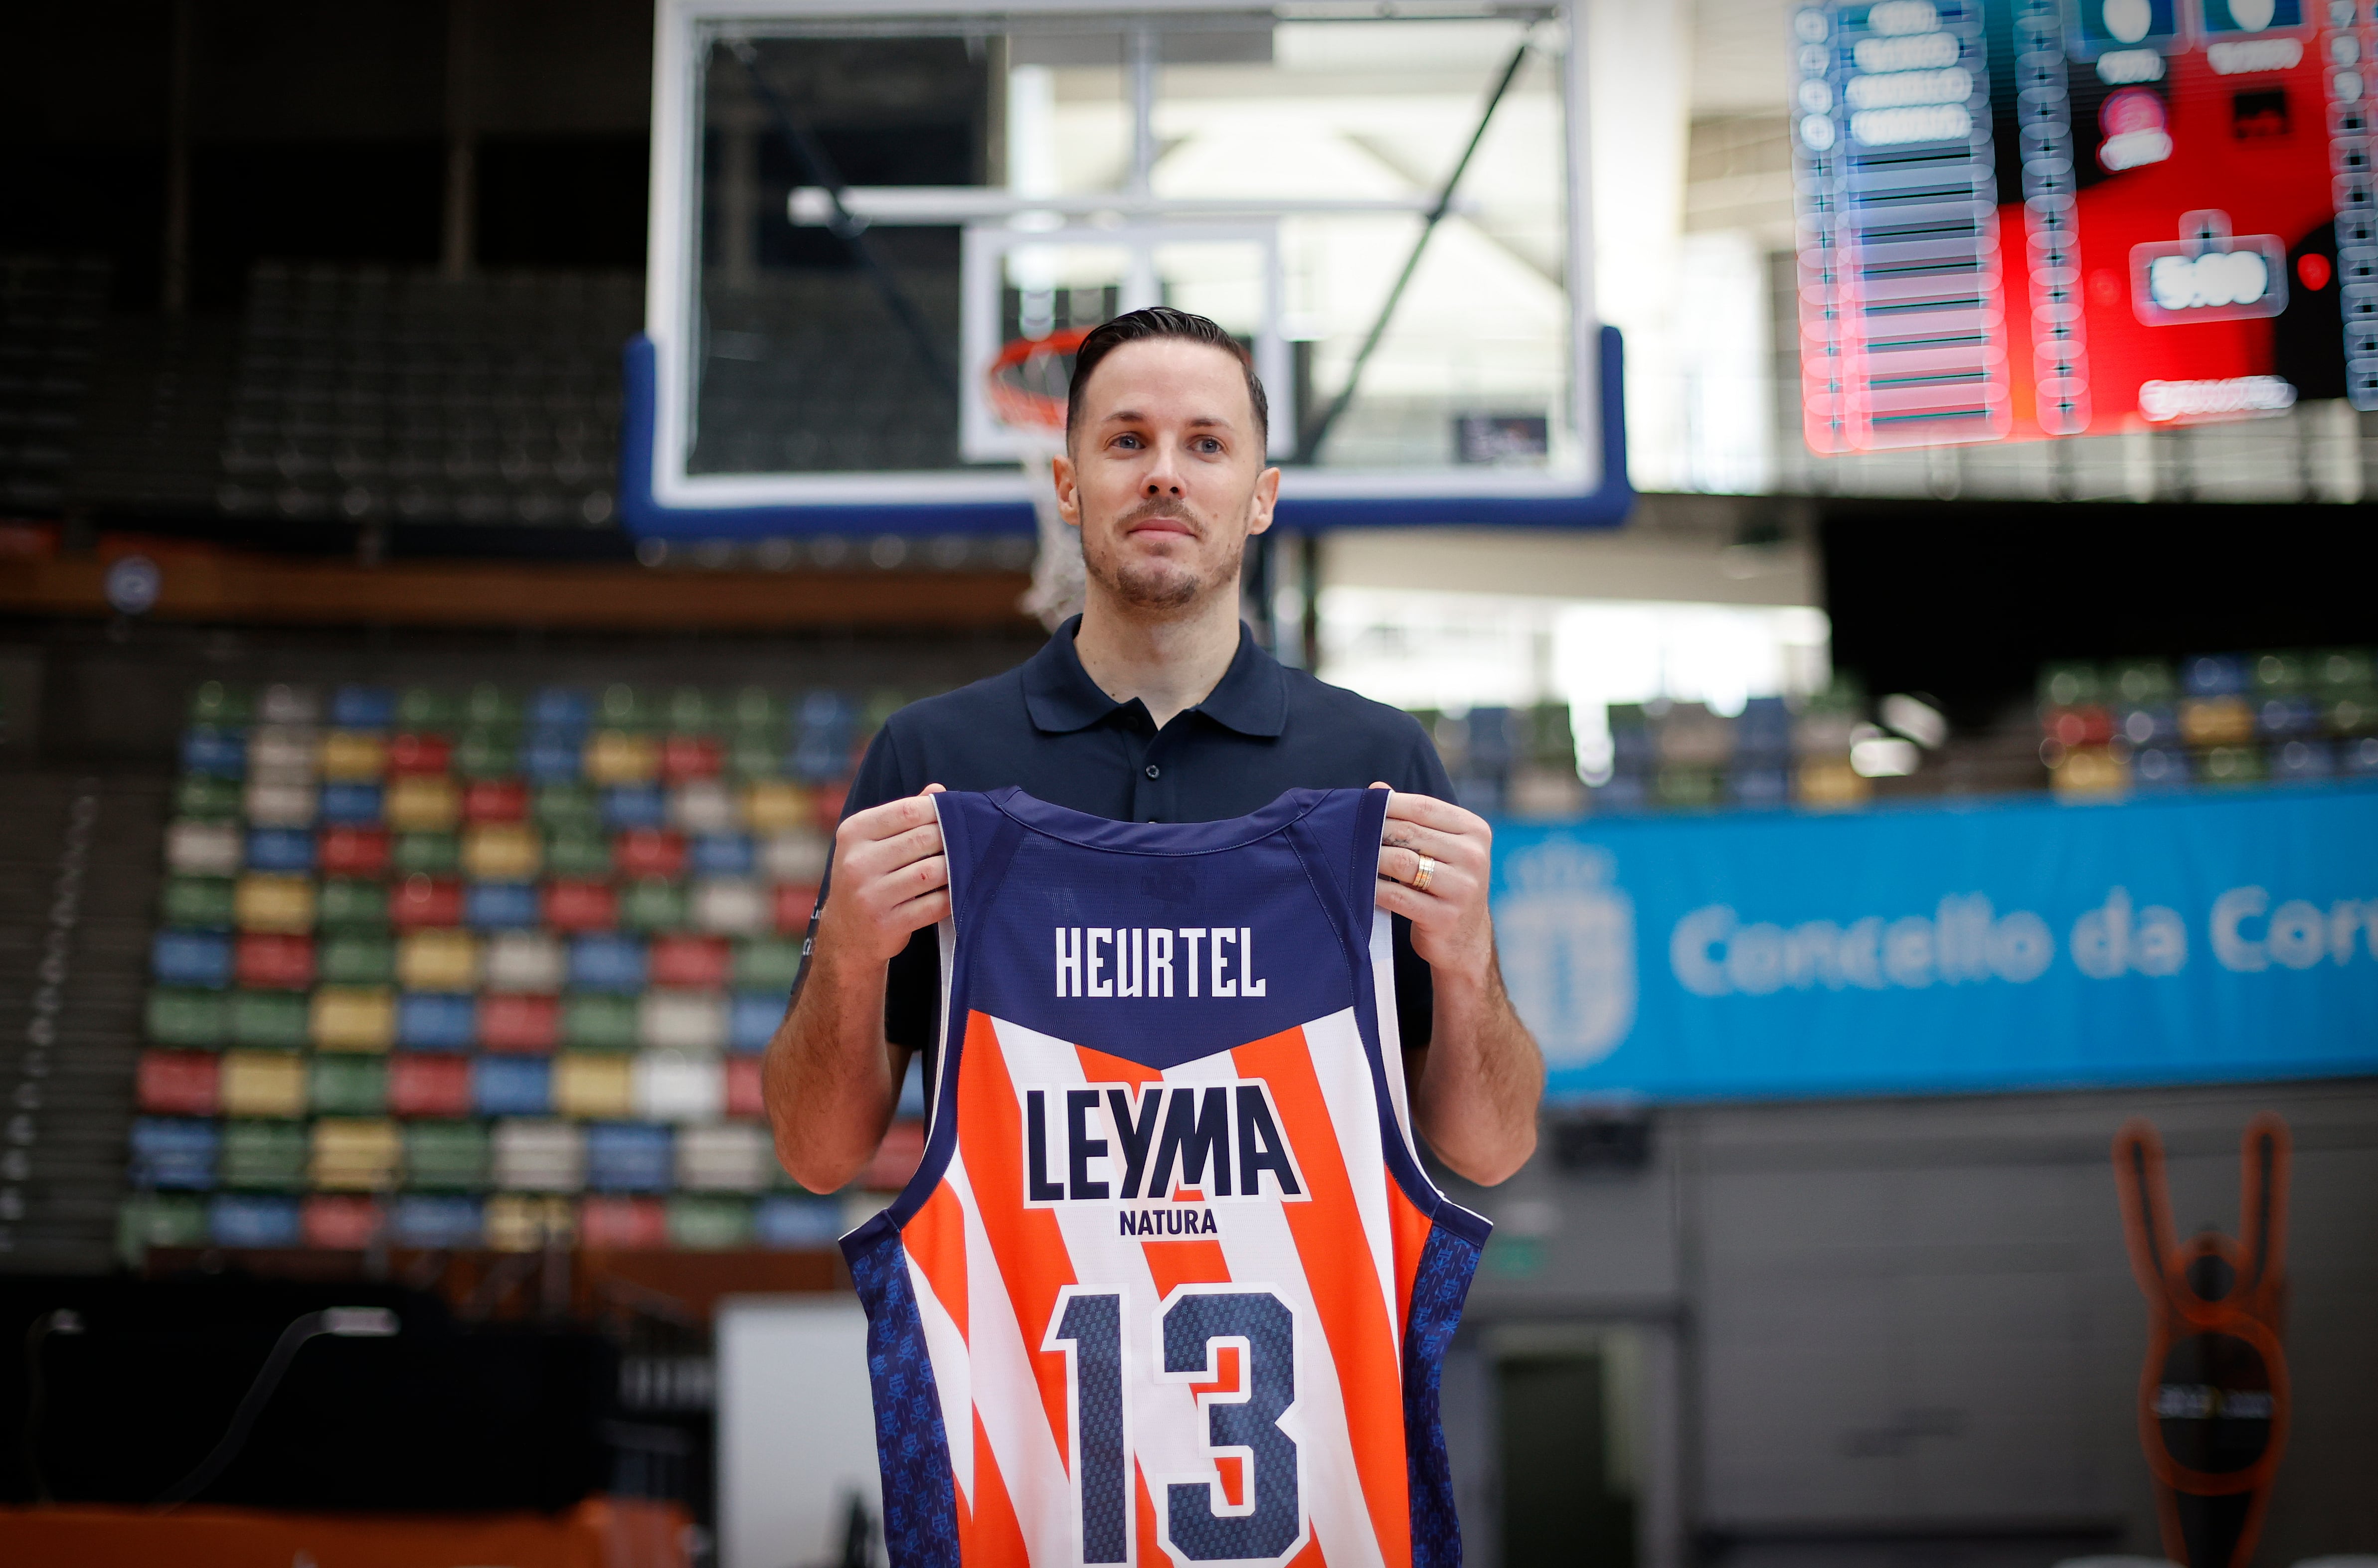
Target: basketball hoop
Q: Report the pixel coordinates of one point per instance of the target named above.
(1026, 386)
(1027, 382)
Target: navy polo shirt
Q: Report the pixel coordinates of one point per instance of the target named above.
(1045, 725)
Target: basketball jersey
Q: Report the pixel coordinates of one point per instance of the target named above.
(1171, 1286)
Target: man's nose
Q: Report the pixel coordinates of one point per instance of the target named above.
(1163, 475)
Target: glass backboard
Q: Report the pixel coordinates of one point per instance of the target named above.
(857, 209)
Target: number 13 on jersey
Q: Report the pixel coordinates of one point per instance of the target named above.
(1208, 1390)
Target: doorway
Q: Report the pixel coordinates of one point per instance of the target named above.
(1568, 1402)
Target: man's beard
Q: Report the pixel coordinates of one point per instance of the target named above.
(1158, 584)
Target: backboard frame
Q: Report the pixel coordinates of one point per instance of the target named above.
(661, 499)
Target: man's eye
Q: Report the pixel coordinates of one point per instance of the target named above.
(1209, 446)
(1129, 441)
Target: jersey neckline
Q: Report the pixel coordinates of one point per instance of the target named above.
(1082, 829)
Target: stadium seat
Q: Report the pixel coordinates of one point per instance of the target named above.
(354, 805)
(672, 1085)
(191, 958)
(201, 1019)
(204, 848)
(358, 1017)
(355, 851)
(628, 1156)
(362, 707)
(266, 1157)
(530, 1024)
(250, 1219)
(745, 1096)
(445, 1220)
(263, 958)
(175, 1153)
(591, 1022)
(263, 1084)
(691, 1021)
(430, 1085)
(341, 1221)
(425, 754)
(587, 1085)
(698, 962)
(346, 903)
(272, 902)
(346, 754)
(502, 852)
(727, 1157)
(269, 1020)
(275, 801)
(201, 797)
(430, 1020)
(720, 854)
(446, 1156)
(524, 961)
(539, 1156)
(347, 1085)
(512, 1087)
(354, 1154)
(731, 906)
(798, 1222)
(284, 749)
(347, 957)
(622, 1222)
(606, 963)
(179, 1083)
(751, 1021)
(437, 960)
(423, 803)
(516, 1222)
(698, 1222)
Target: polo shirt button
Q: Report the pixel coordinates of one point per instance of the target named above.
(1153, 770)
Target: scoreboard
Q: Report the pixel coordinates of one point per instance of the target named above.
(2033, 218)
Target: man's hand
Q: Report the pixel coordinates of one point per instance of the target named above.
(890, 880)
(1451, 927)
(831, 1080)
(1476, 1088)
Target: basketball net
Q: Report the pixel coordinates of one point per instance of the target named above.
(1027, 393)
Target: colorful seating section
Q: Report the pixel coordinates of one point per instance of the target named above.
(483, 967)
(2286, 717)
(1773, 753)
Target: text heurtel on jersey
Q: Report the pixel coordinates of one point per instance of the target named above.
(1138, 961)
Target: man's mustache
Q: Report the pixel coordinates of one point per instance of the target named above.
(1171, 510)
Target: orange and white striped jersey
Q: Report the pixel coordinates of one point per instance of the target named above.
(1170, 1284)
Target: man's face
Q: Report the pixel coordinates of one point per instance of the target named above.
(1164, 473)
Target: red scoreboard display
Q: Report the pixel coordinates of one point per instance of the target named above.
(2026, 218)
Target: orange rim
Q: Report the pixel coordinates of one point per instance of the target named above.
(1022, 405)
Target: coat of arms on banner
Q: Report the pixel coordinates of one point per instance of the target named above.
(1566, 930)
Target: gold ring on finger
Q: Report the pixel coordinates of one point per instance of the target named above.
(1421, 877)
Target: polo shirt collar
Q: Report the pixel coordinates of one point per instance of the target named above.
(1251, 697)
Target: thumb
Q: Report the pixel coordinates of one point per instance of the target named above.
(932, 789)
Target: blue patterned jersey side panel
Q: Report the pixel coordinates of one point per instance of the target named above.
(920, 1516)
(1446, 1262)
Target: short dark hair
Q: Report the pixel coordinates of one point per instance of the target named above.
(1164, 321)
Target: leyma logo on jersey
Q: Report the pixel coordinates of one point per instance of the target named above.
(1183, 1144)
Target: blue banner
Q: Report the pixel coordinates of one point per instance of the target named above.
(2020, 943)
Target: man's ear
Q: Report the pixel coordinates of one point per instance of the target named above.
(1261, 504)
(1069, 495)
